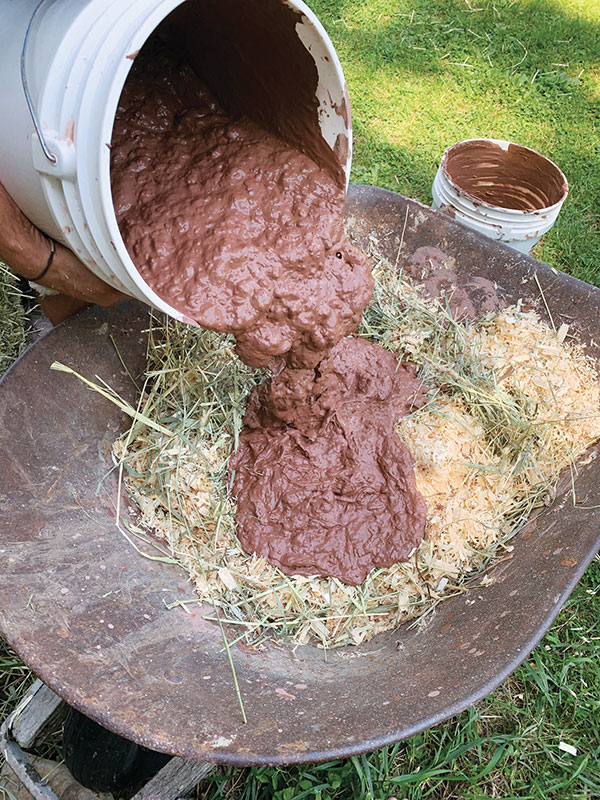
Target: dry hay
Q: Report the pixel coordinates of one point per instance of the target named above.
(512, 402)
(12, 318)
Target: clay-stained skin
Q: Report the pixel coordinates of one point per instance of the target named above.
(324, 484)
(230, 225)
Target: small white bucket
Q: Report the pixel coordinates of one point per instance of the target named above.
(500, 189)
(78, 56)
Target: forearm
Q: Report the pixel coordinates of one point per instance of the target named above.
(27, 250)
(22, 246)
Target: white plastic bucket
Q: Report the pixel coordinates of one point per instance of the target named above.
(500, 189)
(79, 53)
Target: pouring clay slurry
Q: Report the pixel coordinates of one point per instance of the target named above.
(242, 231)
(324, 484)
(78, 58)
(237, 229)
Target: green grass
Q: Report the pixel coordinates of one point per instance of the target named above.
(504, 747)
(424, 74)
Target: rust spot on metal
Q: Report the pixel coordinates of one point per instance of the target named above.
(292, 747)
(284, 693)
(568, 562)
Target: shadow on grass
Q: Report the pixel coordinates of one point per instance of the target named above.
(514, 38)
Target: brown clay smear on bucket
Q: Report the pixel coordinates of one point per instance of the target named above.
(515, 178)
(251, 57)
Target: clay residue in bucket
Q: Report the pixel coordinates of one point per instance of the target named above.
(512, 177)
(251, 57)
(324, 484)
(232, 226)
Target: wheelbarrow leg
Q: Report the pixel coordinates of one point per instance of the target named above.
(174, 780)
(41, 710)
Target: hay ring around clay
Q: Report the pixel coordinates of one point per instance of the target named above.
(511, 403)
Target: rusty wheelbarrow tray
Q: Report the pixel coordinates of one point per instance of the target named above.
(89, 615)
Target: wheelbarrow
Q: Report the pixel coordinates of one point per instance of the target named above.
(89, 615)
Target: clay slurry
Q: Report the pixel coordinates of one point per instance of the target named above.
(232, 226)
(244, 234)
(324, 484)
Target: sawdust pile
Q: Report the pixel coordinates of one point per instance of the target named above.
(512, 402)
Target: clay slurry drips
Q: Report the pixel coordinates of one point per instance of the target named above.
(232, 226)
(244, 233)
(324, 484)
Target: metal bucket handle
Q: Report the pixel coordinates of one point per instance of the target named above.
(36, 123)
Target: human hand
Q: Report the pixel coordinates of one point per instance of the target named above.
(26, 250)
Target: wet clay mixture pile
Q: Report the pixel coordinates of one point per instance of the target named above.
(244, 234)
(324, 484)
